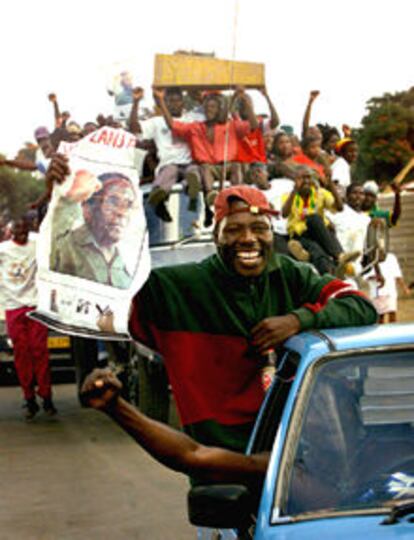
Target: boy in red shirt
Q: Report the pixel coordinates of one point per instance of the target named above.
(213, 142)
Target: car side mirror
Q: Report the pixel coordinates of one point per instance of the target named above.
(220, 506)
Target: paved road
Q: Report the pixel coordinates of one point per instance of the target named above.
(79, 477)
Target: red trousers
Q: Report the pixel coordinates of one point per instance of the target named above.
(31, 357)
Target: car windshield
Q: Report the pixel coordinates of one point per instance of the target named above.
(351, 445)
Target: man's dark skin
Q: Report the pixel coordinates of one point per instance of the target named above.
(355, 197)
(350, 152)
(212, 110)
(306, 118)
(170, 447)
(303, 183)
(370, 201)
(173, 101)
(20, 231)
(274, 117)
(25, 165)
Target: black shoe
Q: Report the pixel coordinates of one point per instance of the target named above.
(162, 212)
(49, 407)
(31, 408)
(208, 217)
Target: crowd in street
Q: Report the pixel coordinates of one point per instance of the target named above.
(321, 213)
(206, 140)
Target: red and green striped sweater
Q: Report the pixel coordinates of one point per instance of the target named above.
(199, 317)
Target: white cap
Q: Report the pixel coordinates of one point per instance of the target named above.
(371, 187)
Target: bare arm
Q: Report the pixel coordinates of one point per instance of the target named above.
(134, 124)
(58, 118)
(274, 117)
(159, 98)
(339, 205)
(396, 211)
(170, 447)
(21, 164)
(251, 117)
(404, 287)
(306, 118)
(287, 207)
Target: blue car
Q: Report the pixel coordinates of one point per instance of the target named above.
(338, 422)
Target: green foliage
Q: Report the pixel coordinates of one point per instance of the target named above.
(17, 190)
(384, 139)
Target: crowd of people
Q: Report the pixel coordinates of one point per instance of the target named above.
(294, 196)
(206, 140)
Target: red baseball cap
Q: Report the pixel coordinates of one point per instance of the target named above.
(254, 198)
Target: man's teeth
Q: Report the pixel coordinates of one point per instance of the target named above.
(248, 254)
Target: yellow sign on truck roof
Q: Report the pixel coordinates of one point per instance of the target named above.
(205, 72)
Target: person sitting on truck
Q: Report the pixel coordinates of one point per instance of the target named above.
(213, 143)
(370, 203)
(252, 148)
(174, 154)
(312, 237)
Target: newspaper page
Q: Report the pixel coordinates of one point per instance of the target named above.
(92, 251)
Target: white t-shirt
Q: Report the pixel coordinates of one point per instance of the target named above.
(350, 227)
(42, 164)
(385, 298)
(391, 270)
(171, 150)
(279, 187)
(18, 273)
(341, 172)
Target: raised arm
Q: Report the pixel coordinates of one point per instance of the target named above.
(240, 94)
(134, 124)
(24, 165)
(58, 117)
(170, 447)
(306, 118)
(159, 98)
(330, 186)
(287, 207)
(396, 211)
(274, 117)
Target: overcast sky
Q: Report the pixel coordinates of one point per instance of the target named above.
(350, 51)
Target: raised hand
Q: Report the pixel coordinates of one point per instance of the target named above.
(138, 93)
(58, 169)
(314, 94)
(101, 389)
(158, 93)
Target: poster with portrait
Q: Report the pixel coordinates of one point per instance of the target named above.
(121, 81)
(93, 252)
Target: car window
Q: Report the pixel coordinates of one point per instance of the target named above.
(353, 441)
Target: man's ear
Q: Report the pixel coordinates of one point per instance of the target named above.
(215, 233)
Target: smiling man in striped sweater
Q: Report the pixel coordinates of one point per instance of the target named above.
(213, 321)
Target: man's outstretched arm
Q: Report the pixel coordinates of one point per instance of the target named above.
(170, 447)
(22, 164)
